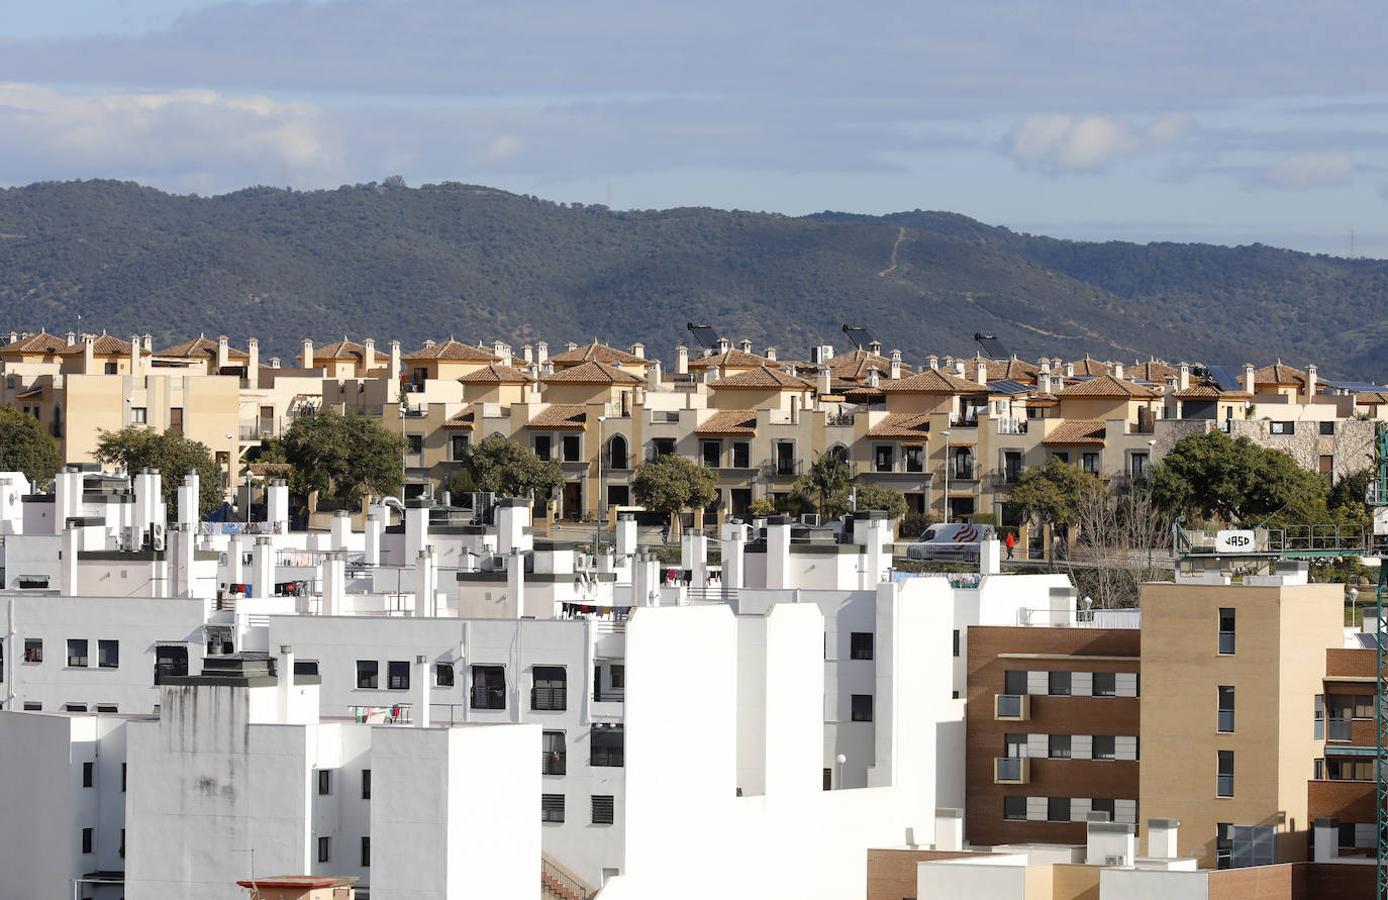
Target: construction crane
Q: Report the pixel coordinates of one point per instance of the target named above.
(1376, 499)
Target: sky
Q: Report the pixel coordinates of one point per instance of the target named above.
(1230, 121)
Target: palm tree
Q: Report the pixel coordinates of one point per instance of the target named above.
(827, 481)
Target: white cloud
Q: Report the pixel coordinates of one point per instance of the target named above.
(1305, 171)
(181, 135)
(1086, 144)
(502, 149)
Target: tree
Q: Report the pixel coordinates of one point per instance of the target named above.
(343, 456)
(872, 496)
(1052, 494)
(135, 447)
(1235, 481)
(673, 484)
(26, 447)
(506, 468)
(761, 508)
(826, 483)
(1120, 543)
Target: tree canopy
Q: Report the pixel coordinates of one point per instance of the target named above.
(1235, 481)
(26, 447)
(136, 447)
(1053, 493)
(507, 468)
(343, 456)
(874, 496)
(826, 483)
(673, 483)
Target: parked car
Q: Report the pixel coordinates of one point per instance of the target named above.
(951, 542)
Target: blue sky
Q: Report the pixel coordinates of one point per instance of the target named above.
(1225, 120)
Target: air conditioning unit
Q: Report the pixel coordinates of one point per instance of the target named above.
(1114, 861)
(810, 519)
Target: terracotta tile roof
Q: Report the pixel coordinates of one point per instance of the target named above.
(1012, 370)
(262, 470)
(1076, 431)
(1208, 392)
(467, 419)
(855, 365)
(1278, 374)
(1107, 386)
(737, 422)
(43, 342)
(1150, 371)
(1090, 368)
(762, 377)
(731, 357)
(1371, 398)
(933, 381)
(343, 349)
(454, 351)
(596, 352)
(497, 374)
(558, 415)
(104, 345)
(201, 346)
(591, 372)
(31, 393)
(903, 426)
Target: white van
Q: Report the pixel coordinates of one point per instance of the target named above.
(952, 542)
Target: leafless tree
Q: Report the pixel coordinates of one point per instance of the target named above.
(1121, 541)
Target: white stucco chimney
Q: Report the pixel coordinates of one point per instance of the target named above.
(284, 671)
(745, 345)
(1118, 370)
(541, 351)
(959, 368)
(1249, 380)
(681, 360)
(368, 355)
(981, 368)
(395, 362)
(1312, 380)
(770, 353)
(933, 361)
(638, 349)
(896, 365)
(223, 353)
(825, 383)
(88, 354)
(1183, 376)
(306, 355)
(135, 356)
(252, 363)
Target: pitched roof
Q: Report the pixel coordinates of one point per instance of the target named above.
(43, 342)
(103, 345)
(1107, 386)
(1076, 431)
(762, 377)
(1151, 371)
(496, 374)
(1012, 369)
(1279, 374)
(559, 415)
(738, 422)
(855, 365)
(591, 372)
(730, 357)
(1090, 368)
(343, 349)
(596, 352)
(1371, 398)
(902, 426)
(452, 350)
(201, 346)
(933, 381)
(467, 419)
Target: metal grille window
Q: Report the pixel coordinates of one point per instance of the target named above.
(1226, 708)
(398, 675)
(861, 707)
(1058, 684)
(1226, 630)
(602, 809)
(551, 688)
(551, 807)
(368, 671)
(488, 687)
(1224, 786)
(860, 645)
(553, 753)
(77, 654)
(607, 746)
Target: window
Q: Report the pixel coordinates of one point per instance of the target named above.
(1226, 631)
(602, 809)
(1105, 684)
(1057, 809)
(1014, 746)
(108, 654)
(306, 667)
(75, 707)
(551, 689)
(915, 458)
(1328, 428)
(1058, 684)
(1090, 463)
(711, 452)
(31, 706)
(618, 674)
(108, 709)
(398, 675)
(963, 462)
(1015, 683)
(742, 455)
(956, 643)
(325, 782)
(882, 458)
(88, 774)
(325, 849)
(570, 448)
(176, 419)
(122, 843)
(1349, 769)
(617, 452)
(88, 838)
(1281, 428)
(139, 415)
(861, 707)
(663, 446)
(1224, 786)
(1226, 708)
(542, 446)
(457, 446)
(122, 777)
(488, 687)
(860, 645)
(366, 784)
(109, 369)
(1062, 455)
(551, 807)
(1224, 845)
(1103, 746)
(1059, 746)
(1014, 809)
(607, 746)
(33, 650)
(1351, 706)
(367, 672)
(365, 852)
(169, 661)
(1318, 729)
(1099, 804)
(77, 654)
(1138, 465)
(554, 753)
(443, 674)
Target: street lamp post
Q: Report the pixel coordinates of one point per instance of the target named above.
(597, 501)
(945, 435)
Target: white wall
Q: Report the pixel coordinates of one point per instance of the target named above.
(1141, 884)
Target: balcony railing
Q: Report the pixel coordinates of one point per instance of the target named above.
(608, 756)
(1010, 425)
(962, 471)
(839, 420)
(1011, 770)
(963, 421)
(1340, 730)
(781, 468)
(1004, 477)
(1011, 706)
(549, 699)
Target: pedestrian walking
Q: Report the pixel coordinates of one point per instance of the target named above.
(1011, 543)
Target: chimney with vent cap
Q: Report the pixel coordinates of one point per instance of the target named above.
(252, 363)
(638, 349)
(1312, 381)
(1118, 370)
(368, 356)
(981, 368)
(933, 361)
(896, 365)
(1249, 380)
(745, 345)
(223, 352)
(1183, 376)
(541, 351)
(681, 360)
(571, 346)
(770, 353)
(306, 356)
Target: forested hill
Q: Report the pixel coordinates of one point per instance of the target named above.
(390, 261)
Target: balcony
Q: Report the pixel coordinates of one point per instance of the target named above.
(781, 468)
(967, 421)
(1004, 477)
(1010, 425)
(1012, 707)
(257, 432)
(1340, 730)
(1011, 770)
(839, 420)
(963, 471)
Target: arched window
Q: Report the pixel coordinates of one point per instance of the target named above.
(617, 452)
